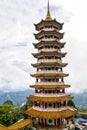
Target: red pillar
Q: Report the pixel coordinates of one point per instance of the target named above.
(36, 91)
(64, 103)
(45, 122)
(63, 91)
(45, 105)
(56, 90)
(43, 90)
(55, 79)
(58, 123)
(39, 121)
(67, 120)
(56, 104)
(37, 69)
(42, 123)
(55, 122)
(36, 80)
(62, 79)
(53, 105)
(42, 104)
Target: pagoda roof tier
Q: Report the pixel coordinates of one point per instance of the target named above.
(49, 33)
(50, 42)
(47, 65)
(20, 125)
(49, 52)
(50, 86)
(49, 74)
(48, 23)
(49, 62)
(2, 127)
(42, 98)
(68, 112)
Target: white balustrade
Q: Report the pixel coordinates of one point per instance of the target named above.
(49, 109)
(48, 39)
(49, 60)
(48, 71)
(48, 29)
(46, 49)
(49, 95)
(49, 83)
(49, 49)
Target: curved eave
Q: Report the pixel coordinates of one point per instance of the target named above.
(42, 22)
(20, 125)
(50, 115)
(48, 33)
(49, 99)
(49, 75)
(51, 86)
(2, 127)
(61, 54)
(42, 42)
(82, 113)
(49, 63)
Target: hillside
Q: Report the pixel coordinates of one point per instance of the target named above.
(80, 99)
(15, 97)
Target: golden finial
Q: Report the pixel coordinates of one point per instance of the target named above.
(48, 17)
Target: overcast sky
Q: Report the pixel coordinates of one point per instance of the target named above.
(16, 38)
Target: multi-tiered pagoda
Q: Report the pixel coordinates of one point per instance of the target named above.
(50, 100)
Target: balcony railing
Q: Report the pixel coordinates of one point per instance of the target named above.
(49, 109)
(49, 60)
(49, 95)
(49, 49)
(49, 83)
(49, 71)
(48, 29)
(48, 39)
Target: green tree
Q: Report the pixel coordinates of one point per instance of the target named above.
(70, 103)
(6, 114)
(10, 114)
(8, 102)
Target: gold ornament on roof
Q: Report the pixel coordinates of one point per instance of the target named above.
(48, 17)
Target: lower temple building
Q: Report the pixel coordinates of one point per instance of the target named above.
(50, 98)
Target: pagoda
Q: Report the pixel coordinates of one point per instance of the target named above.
(50, 99)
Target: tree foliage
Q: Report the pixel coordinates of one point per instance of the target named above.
(10, 114)
(8, 102)
(71, 103)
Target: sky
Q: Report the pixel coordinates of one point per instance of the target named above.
(16, 37)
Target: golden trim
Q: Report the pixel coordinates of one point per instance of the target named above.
(49, 74)
(20, 125)
(50, 99)
(50, 115)
(50, 86)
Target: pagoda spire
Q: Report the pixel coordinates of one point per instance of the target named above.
(48, 17)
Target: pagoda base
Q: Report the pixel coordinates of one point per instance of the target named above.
(55, 119)
(51, 128)
(50, 123)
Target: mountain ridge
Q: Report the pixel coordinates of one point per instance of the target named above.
(80, 99)
(16, 97)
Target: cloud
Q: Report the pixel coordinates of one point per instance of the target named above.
(16, 38)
